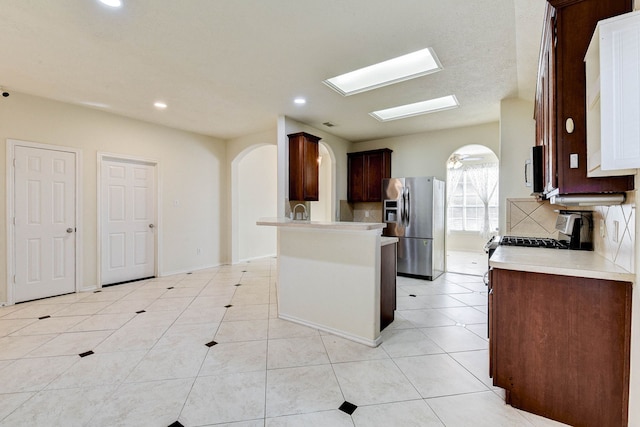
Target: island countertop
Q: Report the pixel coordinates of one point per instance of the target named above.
(326, 225)
(561, 262)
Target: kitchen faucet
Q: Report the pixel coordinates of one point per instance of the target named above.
(304, 211)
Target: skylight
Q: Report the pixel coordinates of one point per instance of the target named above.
(394, 70)
(112, 3)
(422, 107)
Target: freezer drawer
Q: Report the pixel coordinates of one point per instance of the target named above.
(415, 258)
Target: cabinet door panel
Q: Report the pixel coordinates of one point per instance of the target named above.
(561, 95)
(355, 190)
(375, 166)
(311, 172)
(303, 167)
(387, 284)
(559, 345)
(366, 170)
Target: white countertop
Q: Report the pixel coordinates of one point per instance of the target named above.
(559, 261)
(341, 225)
(387, 240)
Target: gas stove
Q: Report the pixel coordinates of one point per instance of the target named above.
(532, 242)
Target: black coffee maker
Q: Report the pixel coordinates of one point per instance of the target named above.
(575, 229)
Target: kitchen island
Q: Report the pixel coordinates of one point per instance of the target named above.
(329, 276)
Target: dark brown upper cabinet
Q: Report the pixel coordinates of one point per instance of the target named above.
(560, 110)
(303, 166)
(366, 170)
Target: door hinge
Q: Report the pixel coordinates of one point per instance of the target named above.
(14, 278)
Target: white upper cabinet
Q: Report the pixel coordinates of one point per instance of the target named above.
(612, 66)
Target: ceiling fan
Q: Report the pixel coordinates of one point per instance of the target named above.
(457, 159)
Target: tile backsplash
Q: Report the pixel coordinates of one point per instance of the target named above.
(532, 218)
(360, 212)
(528, 217)
(618, 248)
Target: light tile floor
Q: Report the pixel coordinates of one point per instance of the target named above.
(467, 262)
(208, 349)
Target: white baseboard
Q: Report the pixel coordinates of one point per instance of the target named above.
(256, 258)
(342, 334)
(189, 270)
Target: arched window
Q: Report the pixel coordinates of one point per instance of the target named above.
(472, 188)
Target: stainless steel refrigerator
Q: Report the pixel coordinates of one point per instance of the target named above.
(414, 209)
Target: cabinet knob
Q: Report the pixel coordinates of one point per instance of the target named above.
(569, 125)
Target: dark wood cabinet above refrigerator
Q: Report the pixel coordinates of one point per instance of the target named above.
(303, 167)
(560, 110)
(365, 172)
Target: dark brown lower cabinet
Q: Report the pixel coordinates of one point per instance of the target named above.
(560, 345)
(387, 284)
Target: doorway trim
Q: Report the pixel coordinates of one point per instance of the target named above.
(10, 210)
(101, 157)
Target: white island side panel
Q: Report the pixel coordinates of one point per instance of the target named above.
(330, 279)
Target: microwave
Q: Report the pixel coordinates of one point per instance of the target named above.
(534, 170)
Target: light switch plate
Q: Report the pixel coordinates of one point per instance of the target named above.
(573, 161)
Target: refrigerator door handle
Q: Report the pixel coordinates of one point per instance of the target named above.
(408, 206)
(402, 203)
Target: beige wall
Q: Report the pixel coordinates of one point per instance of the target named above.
(426, 154)
(256, 193)
(192, 171)
(237, 149)
(517, 136)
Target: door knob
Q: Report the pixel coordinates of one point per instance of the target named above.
(69, 230)
(151, 226)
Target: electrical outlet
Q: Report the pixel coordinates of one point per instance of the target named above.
(616, 230)
(176, 202)
(198, 251)
(366, 214)
(573, 161)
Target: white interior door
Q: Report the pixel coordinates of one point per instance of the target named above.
(128, 215)
(45, 223)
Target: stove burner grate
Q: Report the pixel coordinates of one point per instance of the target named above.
(532, 242)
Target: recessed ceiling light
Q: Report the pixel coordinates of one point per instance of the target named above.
(422, 107)
(300, 101)
(112, 3)
(160, 105)
(394, 70)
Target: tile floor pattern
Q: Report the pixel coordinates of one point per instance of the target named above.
(207, 349)
(467, 262)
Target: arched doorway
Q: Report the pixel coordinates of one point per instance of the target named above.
(472, 207)
(322, 210)
(254, 188)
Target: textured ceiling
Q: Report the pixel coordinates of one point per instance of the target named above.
(230, 68)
